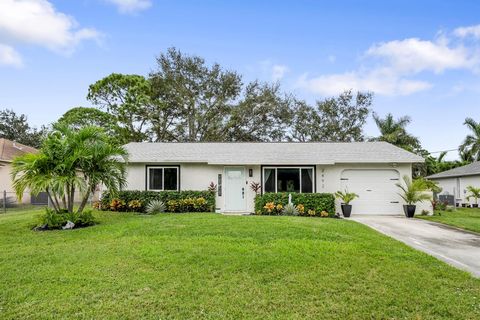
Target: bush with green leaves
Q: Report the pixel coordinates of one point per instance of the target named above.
(52, 220)
(156, 206)
(178, 200)
(317, 202)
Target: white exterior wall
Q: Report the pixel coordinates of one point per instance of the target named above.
(195, 176)
(451, 186)
(6, 183)
(199, 176)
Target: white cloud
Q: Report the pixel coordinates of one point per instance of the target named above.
(9, 56)
(37, 22)
(131, 6)
(464, 32)
(378, 81)
(415, 55)
(278, 72)
(390, 68)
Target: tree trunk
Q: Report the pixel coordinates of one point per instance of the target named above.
(64, 202)
(72, 198)
(52, 202)
(85, 199)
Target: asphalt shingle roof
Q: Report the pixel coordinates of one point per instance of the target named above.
(11, 149)
(269, 153)
(468, 170)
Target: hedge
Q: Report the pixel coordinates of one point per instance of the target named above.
(311, 201)
(146, 196)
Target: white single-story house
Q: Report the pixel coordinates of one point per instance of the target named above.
(455, 181)
(370, 169)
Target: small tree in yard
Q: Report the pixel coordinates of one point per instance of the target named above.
(473, 193)
(71, 160)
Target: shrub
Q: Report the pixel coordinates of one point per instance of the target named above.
(51, 220)
(117, 205)
(135, 205)
(290, 210)
(324, 214)
(156, 206)
(304, 202)
(176, 200)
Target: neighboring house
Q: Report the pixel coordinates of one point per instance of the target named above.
(8, 151)
(454, 182)
(370, 169)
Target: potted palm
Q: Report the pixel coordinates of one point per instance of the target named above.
(413, 192)
(475, 194)
(346, 197)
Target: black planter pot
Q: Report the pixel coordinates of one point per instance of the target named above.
(346, 210)
(409, 210)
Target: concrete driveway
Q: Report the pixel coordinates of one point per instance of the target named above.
(458, 248)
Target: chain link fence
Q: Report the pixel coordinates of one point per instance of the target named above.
(10, 202)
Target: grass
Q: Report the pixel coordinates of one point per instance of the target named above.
(465, 218)
(189, 266)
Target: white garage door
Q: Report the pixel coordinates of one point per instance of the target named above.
(377, 191)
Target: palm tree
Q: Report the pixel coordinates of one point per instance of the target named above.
(101, 163)
(466, 156)
(472, 141)
(474, 193)
(394, 131)
(71, 160)
(413, 191)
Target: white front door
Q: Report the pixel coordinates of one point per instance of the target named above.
(235, 189)
(377, 191)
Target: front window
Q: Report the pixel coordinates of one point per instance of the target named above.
(162, 178)
(288, 179)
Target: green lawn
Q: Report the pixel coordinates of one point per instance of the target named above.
(465, 218)
(211, 266)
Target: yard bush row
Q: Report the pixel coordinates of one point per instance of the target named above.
(175, 201)
(310, 204)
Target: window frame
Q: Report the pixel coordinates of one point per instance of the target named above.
(147, 177)
(276, 167)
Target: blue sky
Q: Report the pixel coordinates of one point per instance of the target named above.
(420, 58)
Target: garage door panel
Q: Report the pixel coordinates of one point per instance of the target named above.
(377, 191)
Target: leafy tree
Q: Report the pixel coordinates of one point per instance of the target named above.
(200, 96)
(71, 160)
(334, 119)
(128, 99)
(262, 114)
(471, 144)
(80, 117)
(394, 131)
(16, 128)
